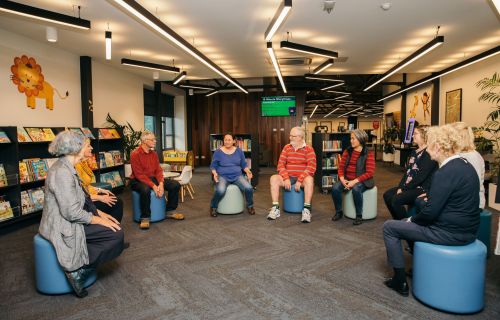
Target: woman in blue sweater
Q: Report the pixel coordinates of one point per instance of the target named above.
(228, 162)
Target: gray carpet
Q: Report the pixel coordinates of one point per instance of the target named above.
(234, 267)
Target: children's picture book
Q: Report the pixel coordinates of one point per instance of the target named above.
(36, 134)
(4, 138)
(27, 205)
(113, 178)
(49, 134)
(87, 133)
(22, 135)
(5, 210)
(104, 133)
(108, 158)
(117, 157)
(3, 176)
(24, 175)
(39, 169)
(114, 133)
(77, 130)
(37, 197)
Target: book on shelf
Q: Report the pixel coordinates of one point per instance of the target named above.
(39, 169)
(5, 210)
(22, 135)
(331, 162)
(110, 158)
(37, 198)
(77, 130)
(108, 133)
(328, 181)
(113, 178)
(40, 134)
(114, 133)
(49, 134)
(244, 144)
(34, 169)
(87, 133)
(332, 145)
(24, 175)
(4, 138)
(27, 205)
(3, 176)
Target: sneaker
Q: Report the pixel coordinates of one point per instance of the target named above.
(306, 215)
(273, 214)
(175, 216)
(144, 224)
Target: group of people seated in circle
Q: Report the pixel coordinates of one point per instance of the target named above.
(442, 180)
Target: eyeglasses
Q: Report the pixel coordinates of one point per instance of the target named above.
(151, 139)
(292, 136)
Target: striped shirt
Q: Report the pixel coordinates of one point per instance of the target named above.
(298, 163)
(350, 173)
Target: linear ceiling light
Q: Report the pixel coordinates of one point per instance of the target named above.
(335, 85)
(149, 19)
(179, 77)
(350, 112)
(192, 86)
(107, 36)
(434, 43)
(149, 65)
(212, 93)
(278, 19)
(345, 101)
(482, 56)
(339, 92)
(331, 112)
(313, 111)
(496, 4)
(342, 97)
(307, 49)
(318, 100)
(325, 65)
(320, 77)
(275, 64)
(43, 15)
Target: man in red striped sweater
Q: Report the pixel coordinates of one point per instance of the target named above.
(296, 165)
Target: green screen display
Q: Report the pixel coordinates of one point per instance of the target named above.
(278, 106)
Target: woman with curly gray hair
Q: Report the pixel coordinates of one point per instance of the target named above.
(83, 237)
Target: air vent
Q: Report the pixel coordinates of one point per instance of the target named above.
(301, 61)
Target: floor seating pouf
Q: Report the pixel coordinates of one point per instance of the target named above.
(484, 232)
(50, 277)
(158, 206)
(102, 185)
(293, 201)
(450, 278)
(369, 204)
(232, 202)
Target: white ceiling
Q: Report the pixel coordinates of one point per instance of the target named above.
(231, 33)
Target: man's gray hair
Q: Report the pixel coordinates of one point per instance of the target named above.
(301, 131)
(145, 134)
(361, 136)
(67, 142)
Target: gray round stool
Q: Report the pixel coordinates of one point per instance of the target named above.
(232, 202)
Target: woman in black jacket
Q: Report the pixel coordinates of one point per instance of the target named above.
(415, 181)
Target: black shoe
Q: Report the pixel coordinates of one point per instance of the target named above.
(77, 280)
(251, 210)
(126, 245)
(409, 273)
(338, 216)
(358, 221)
(213, 212)
(401, 288)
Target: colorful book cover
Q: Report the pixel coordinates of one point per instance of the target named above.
(105, 134)
(36, 134)
(39, 169)
(3, 137)
(37, 197)
(5, 210)
(23, 172)
(77, 130)
(49, 134)
(117, 178)
(27, 205)
(22, 135)
(3, 176)
(102, 162)
(87, 132)
(108, 158)
(117, 157)
(114, 133)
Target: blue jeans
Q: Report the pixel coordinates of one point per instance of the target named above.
(221, 186)
(357, 196)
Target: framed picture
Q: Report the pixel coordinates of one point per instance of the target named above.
(453, 112)
(327, 124)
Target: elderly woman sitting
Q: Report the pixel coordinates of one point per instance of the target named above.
(82, 235)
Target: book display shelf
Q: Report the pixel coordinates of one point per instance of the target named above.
(25, 161)
(328, 148)
(248, 143)
(178, 159)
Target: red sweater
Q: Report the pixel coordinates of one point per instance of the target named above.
(145, 165)
(350, 173)
(298, 163)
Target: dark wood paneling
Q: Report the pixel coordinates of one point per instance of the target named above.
(238, 113)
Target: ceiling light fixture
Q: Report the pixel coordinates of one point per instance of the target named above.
(323, 66)
(51, 33)
(342, 115)
(496, 4)
(335, 85)
(482, 56)
(342, 97)
(313, 111)
(434, 43)
(179, 77)
(156, 75)
(279, 17)
(212, 93)
(320, 77)
(149, 65)
(192, 86)
(318, 100)
(152, 21)
(345, 101)
(275, 64)
(107, 35)
(43, 15)
(339, 92)
(307, 49)
(331, 112)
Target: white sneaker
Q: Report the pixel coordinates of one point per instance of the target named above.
(306, 215)
(274, 213)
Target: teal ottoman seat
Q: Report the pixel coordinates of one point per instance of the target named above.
(293, 201)
(369, 204)
(158, 206)
(233, 201)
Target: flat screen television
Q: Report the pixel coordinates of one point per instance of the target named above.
(410, 127)
(281, 106)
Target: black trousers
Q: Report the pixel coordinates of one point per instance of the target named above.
(116, 210)
(396, 202)
(171, 187)
(103, 244)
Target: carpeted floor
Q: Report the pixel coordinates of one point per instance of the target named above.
(234, 267)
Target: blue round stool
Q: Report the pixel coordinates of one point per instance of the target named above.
(450, 278)
(232, 202)
(50, 277)
(484, 232)
(158, 206)
(293, 201)
(369, 204)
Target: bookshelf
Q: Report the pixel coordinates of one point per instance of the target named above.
(328, 148)
(178, 159)
(110, 166)
(248, 143)
(34, 159)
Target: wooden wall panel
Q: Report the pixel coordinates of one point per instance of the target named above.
(238, 113)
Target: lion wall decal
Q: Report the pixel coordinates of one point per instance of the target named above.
(27, 76)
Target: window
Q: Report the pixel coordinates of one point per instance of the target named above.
(167, 130)
(149, 123)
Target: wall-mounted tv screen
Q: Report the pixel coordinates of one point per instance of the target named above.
(409, 130)
(278, 106)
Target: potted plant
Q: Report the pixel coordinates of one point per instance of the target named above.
(390, 135)
(131, 140)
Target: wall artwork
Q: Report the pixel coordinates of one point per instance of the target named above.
(453, 106)
(421, 108)
(27, 76)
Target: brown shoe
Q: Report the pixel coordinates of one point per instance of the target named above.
(213, 212)
(144, 224)
(175, 216)
(251, 211)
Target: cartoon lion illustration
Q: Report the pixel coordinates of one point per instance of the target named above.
(28, 77)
